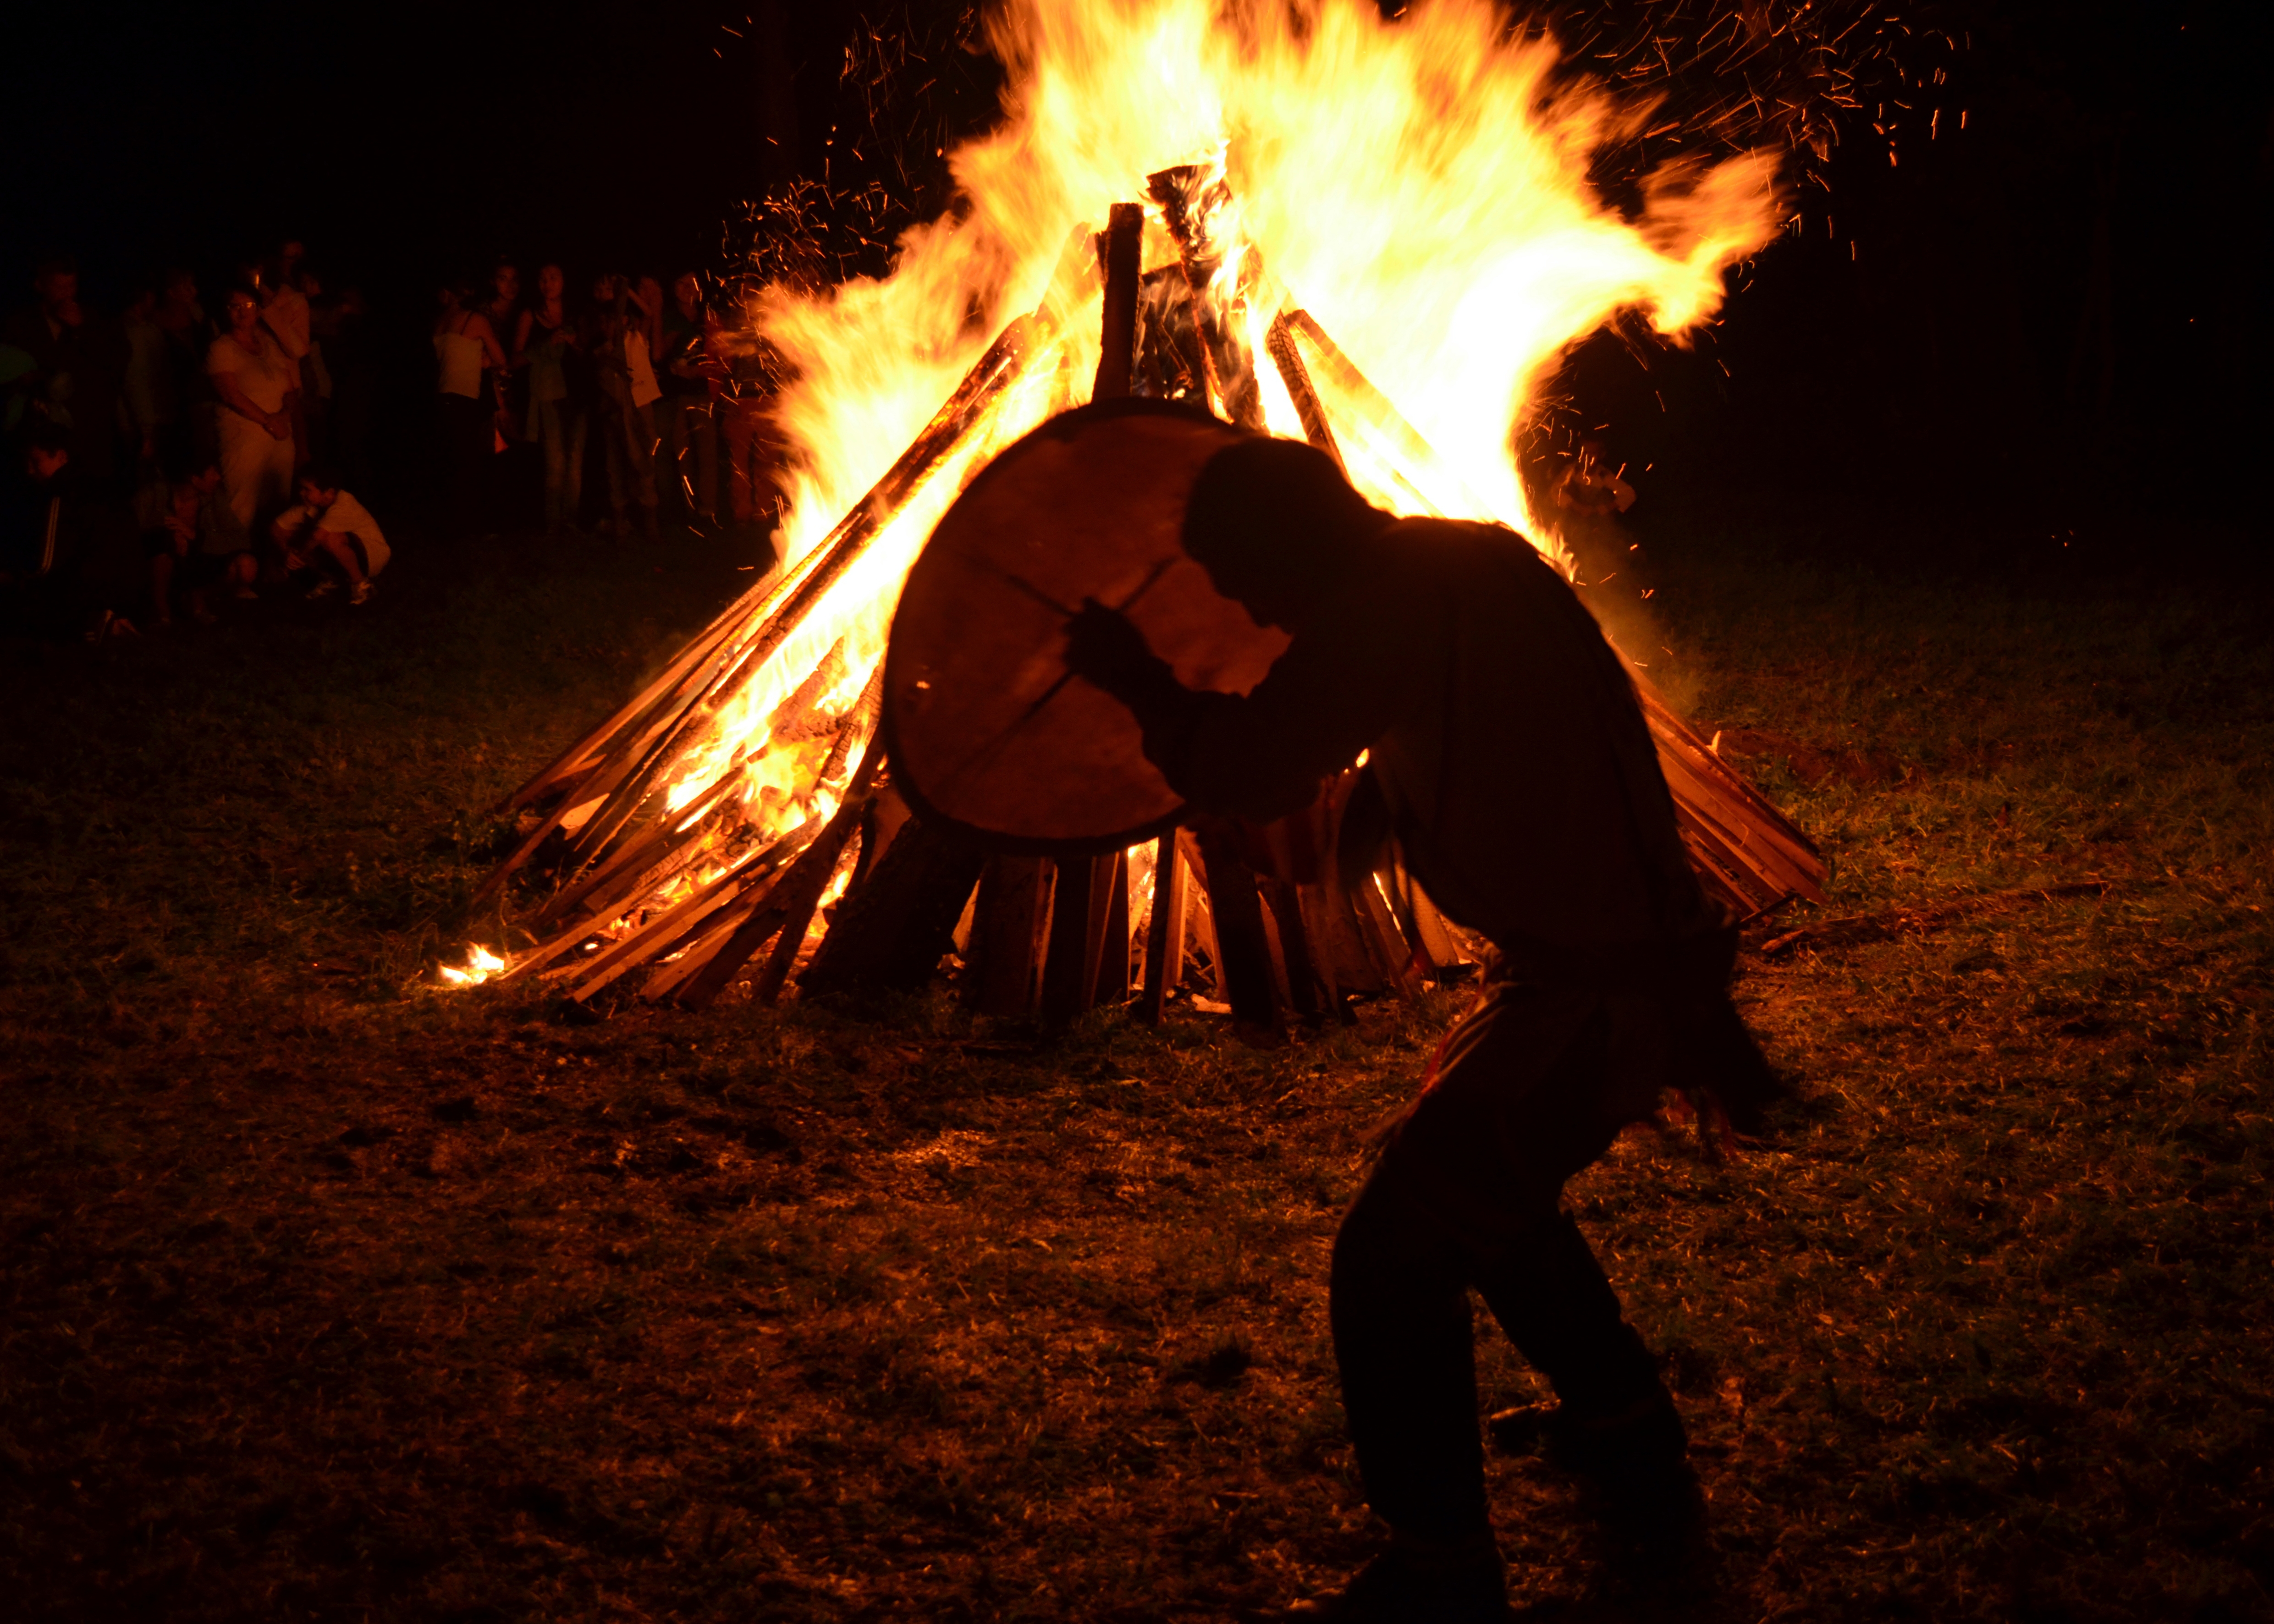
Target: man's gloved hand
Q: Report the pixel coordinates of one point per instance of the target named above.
(1103, 646)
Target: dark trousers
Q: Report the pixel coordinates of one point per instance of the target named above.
(1467, 1194)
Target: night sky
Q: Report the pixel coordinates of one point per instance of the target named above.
(2053, 317)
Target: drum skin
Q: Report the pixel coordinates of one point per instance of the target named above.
(986, 728)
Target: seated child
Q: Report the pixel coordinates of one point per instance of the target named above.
(330, 531)
(198, 543)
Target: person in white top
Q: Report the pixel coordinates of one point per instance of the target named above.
(258, 385)
(329, 529)
(622, 353)
(465, 346)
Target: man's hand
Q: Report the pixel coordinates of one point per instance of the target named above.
(1103, 646)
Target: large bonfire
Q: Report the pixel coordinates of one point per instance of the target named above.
(1377, 235)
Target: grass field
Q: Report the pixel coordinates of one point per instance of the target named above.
(330, 1297)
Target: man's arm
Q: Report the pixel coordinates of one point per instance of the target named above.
(1343, 682)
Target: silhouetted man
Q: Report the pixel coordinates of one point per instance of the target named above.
(1524, 788)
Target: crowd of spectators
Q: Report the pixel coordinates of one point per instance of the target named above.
(164, 459)
(644, 387)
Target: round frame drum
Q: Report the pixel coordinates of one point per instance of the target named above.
(985, 726)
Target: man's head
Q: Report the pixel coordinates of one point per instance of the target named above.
(290, 253)
(56, 282)
(1274, 522)
(504, 282)
(688, 289)
(318, 487)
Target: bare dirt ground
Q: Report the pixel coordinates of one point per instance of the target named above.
(328, 1296)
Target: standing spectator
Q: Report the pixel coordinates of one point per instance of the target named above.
(465, 347)
(38, 513)
(285, 312)
(152, 396)
(258, 385)
(190, 334)
(503, 309)
(504, 487)
(330, 532)
(687, 394)
(627, 393)
(65, 550)
(47, 333)
(76, 365)
(545, 345)
(747, 426)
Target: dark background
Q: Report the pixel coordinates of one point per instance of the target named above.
(2050, 320)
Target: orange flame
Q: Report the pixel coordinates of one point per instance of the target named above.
(1419, 185)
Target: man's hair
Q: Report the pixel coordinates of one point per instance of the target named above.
(1273, 502)
(55, 265)
(321, 476)
(46, 434)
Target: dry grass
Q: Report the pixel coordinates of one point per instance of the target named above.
(330, 1297)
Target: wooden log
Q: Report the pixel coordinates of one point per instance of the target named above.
(668, 974)
(1759, 851)
(1121, 248)
(1191, 196)
(898, 920)
(790, 905)
(1243, 947)
(1009, 931)
(1164, 932)
(1300, 979)
(645, 862)
(1113, 968)
(1431, 937)
(686, 919)
(1280, 344)
(1430, 482)
(1198, 913)
(1066, 963)
(1378, 929)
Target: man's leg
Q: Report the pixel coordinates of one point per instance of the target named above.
(641, 439)
(1399, 1307)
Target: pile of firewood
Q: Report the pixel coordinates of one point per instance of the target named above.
(622, 875)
